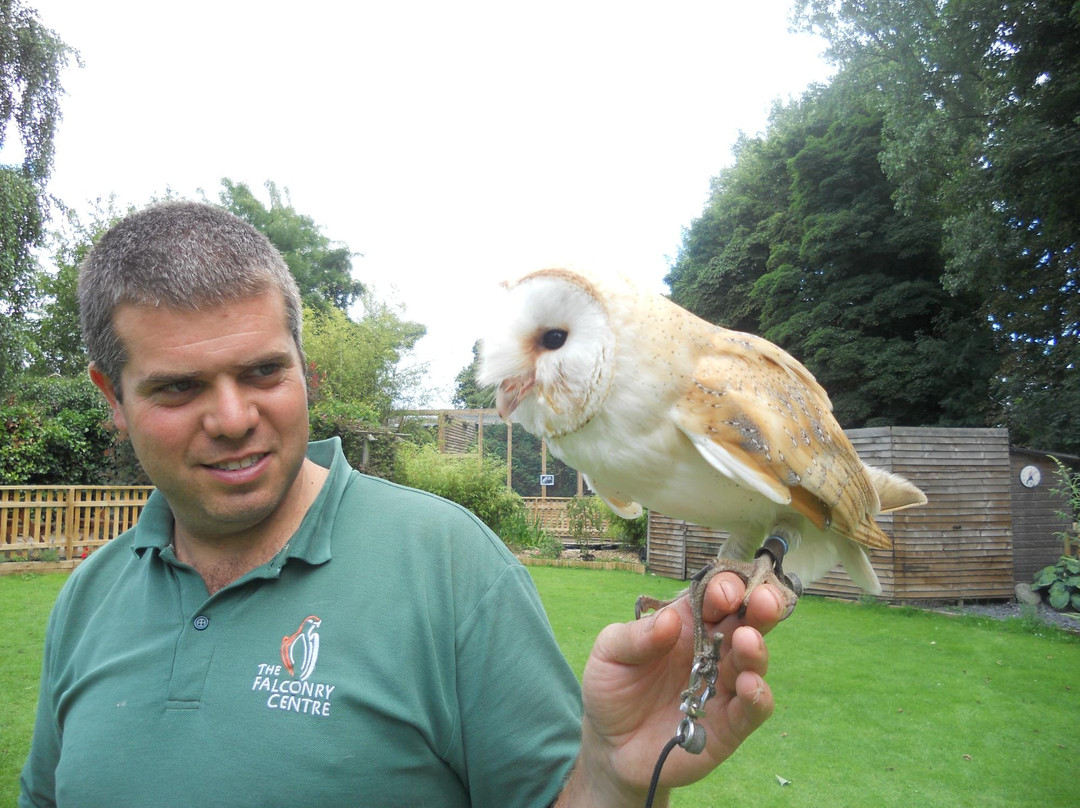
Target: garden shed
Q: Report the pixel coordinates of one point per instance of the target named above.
(963, 544)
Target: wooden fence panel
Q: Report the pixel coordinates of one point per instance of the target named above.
(667, 545)
(73, 520)
(678, 549)
(31, 518)
(553, 517)
(959, 545)
(552, 514)
(70, 520)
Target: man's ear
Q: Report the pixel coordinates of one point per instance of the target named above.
(105, 385)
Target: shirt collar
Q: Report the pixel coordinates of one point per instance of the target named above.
(311, 541)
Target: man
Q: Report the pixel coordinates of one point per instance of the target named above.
(281, 630)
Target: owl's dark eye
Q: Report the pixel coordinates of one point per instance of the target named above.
(553, 339)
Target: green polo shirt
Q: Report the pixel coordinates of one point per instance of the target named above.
(392, 654)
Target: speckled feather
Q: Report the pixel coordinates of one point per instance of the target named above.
(754, 402)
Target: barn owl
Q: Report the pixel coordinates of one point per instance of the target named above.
(659, 408)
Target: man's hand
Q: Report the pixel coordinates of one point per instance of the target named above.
(631, 692)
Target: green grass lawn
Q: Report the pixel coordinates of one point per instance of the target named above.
(25, 601)
(875, 706)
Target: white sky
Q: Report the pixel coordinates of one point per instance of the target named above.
(452, 144)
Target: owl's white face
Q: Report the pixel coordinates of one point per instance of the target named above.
(549, 351)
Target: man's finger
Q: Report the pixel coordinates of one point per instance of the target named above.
(725, 597)
(748, 654)
(752, 705)
(639, 641)
(765, 608)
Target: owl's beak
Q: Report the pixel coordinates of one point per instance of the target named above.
(510, 394)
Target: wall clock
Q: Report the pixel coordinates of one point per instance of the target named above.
(1030, 476)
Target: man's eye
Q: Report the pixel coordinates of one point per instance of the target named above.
(177, 387)
(265, 371)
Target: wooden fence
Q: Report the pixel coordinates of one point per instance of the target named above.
(552, 514)
(71, 521)
(628, 566)
(553, 517)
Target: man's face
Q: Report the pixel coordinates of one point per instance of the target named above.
(215, 404)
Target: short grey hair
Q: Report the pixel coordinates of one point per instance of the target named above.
(183, 255)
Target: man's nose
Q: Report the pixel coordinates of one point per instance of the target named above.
(232, 413)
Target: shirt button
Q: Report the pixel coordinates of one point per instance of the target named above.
(201, 622)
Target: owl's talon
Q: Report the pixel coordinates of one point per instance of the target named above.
(639, 607)
(644, 604)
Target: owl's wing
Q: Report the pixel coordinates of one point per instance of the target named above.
(758, 416)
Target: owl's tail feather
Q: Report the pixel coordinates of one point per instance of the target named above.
(894, 491)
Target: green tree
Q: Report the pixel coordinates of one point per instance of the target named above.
(31, 60)
(467, 393)
(57, 336)
(981, 136)
(739, 233)
(357, 371)
(322, 268)
(360, 363)
(801, 243)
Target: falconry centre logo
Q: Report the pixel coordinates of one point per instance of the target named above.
(288, 683)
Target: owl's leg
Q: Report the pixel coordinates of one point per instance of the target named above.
(768, 568)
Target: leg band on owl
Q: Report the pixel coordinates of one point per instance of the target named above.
(777, 547)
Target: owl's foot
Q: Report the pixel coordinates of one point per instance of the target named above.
(766, 568)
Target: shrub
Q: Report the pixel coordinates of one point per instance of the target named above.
(1061, 582)
(587, 518)
(631, 533)
(522, 531)
(58, 431)
(121, 467)
(461, 478)
(549, 546)
(1068, 488)
(43, 448)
